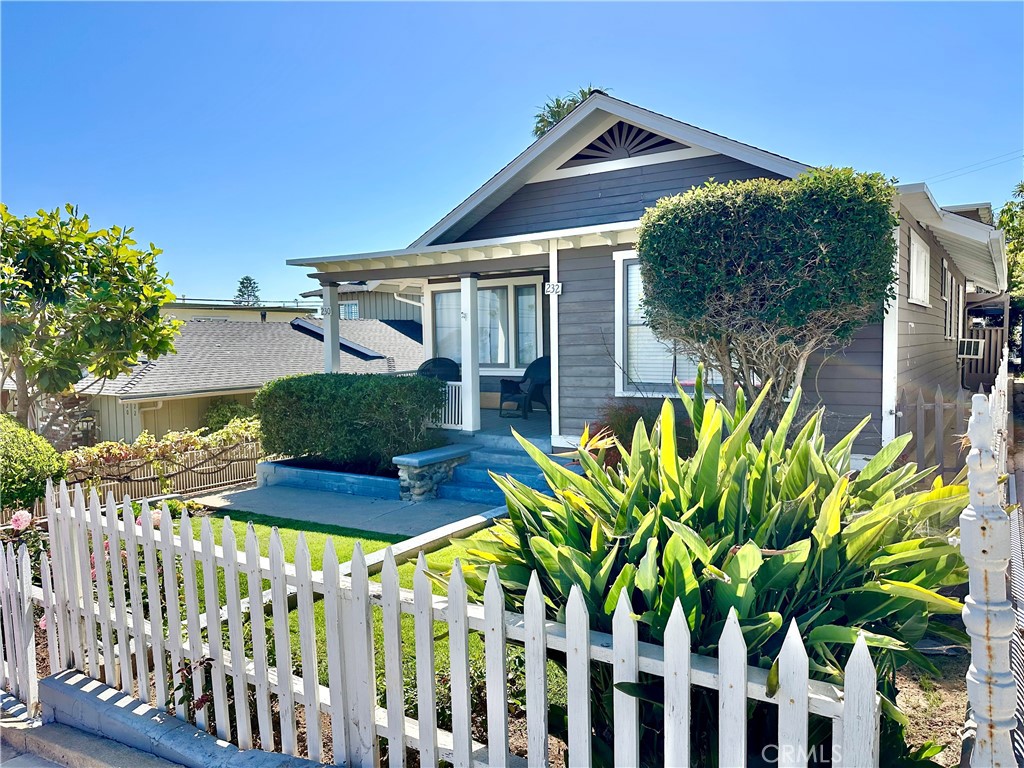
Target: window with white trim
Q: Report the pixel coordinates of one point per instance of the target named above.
(920, 270)
(508, 322)
(348, 310)
(645, 364)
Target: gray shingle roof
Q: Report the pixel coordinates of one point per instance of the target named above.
(222, 356)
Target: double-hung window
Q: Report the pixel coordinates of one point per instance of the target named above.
(644, 364)
(920, 270)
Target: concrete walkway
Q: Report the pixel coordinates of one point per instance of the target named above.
(389, 516)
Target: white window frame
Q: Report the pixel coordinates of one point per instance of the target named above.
(343, 310)
(919, 271)
(516, 366)
(622, 387)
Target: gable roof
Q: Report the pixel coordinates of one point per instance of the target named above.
(576, 131)
(233, 356)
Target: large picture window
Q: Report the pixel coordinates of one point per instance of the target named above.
(508, 322)
(645, 364)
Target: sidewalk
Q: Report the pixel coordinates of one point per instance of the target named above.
(364, 513)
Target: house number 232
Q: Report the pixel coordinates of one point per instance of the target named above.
(553, 289)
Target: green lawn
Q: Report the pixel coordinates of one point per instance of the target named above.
(344, 543)
(344, 540)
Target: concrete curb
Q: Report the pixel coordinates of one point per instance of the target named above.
(73, 699)
(61, 744)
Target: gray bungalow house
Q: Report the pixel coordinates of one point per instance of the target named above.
(540, 262)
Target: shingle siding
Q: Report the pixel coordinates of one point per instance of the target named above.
(601, 198)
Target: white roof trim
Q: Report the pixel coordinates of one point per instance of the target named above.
(534, 159)
(978, 249)
(519, 245)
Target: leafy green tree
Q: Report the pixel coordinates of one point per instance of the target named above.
(75, 301)
(753, 277)
(556, 108)
(1011, 221)
(248, 292)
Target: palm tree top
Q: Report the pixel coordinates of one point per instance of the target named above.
(558, 107)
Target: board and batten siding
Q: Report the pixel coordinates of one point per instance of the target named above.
(926, 359)
(126, 421)
(846, 382)
(601, 198)
(116, 421)
(381, 305)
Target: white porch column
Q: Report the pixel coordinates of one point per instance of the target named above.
(470, 355)
(332, 351)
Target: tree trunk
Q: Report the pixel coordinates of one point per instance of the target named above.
(24, 406)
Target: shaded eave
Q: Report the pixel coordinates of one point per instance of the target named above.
(979, 250)
(472, 256)
(181, 394)
(595, 115)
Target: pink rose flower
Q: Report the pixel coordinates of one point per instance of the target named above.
(106, 546)
(157, 517)
(21, 520)
(92, 574)
(42, 623)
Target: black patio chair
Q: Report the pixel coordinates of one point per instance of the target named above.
(524, 392)
(443, 368)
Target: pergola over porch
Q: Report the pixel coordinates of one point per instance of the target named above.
(468, 263)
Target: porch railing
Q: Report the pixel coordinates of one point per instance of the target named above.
(450, 414)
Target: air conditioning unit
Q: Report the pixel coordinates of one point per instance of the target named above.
(970, 349)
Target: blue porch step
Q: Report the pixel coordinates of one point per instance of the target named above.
(472, 482)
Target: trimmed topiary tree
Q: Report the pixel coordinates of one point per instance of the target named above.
(360, 421)
(27, 461)
(753, 277)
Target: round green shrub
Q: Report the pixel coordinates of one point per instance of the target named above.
(222, 412)
(26, 462)
(357, 421)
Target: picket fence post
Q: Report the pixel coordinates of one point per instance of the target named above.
(988, 615)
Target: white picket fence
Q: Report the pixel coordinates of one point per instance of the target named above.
(985, 543)
(121, 632)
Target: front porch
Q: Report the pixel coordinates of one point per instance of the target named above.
(491, 306)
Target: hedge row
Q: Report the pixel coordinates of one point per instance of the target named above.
(356, 420)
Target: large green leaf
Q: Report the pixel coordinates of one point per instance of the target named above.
(738, 592)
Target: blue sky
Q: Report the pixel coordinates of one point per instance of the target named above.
(237, 135)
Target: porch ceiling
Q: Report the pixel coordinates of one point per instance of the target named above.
(479, 256)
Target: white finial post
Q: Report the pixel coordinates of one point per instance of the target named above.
(988, 615)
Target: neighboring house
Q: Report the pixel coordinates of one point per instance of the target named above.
(540, 260)
(227, 309)
(231, 360)
(377, 300)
